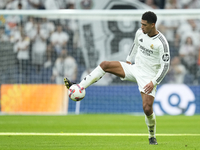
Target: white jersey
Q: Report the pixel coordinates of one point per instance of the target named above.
(151, 54)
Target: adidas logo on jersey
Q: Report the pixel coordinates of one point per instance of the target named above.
(141, 40)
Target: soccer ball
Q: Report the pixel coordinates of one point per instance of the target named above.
(76, 92)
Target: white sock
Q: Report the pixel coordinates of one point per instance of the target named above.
(151, 124)
(93, 77)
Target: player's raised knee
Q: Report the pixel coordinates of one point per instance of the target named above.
(104, 65)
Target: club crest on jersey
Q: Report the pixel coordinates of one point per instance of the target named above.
(165, 57)
(151, 46)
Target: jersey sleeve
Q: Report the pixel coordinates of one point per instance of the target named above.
(134, 47)
(164, 56)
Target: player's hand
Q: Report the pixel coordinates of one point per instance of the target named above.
(148, 88)
(128, 62)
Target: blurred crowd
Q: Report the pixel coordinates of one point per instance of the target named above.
(36, 4)
(51, 48)
(43, 47)
(172, 4)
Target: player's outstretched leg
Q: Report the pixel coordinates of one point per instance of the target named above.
(67, 83)
(93, 77)
(153, 141)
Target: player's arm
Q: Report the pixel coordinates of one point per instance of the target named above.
(134, 48)
(164, 56)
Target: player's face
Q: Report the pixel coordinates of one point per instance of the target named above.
(146, 27)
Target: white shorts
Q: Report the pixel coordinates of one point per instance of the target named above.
(134, 73)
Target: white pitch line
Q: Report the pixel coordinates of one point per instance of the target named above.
(89, 134)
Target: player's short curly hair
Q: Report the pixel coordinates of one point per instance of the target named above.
(150, 17)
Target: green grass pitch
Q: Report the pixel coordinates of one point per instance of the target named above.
(97, 132)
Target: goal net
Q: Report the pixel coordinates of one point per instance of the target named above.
(39, 48)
